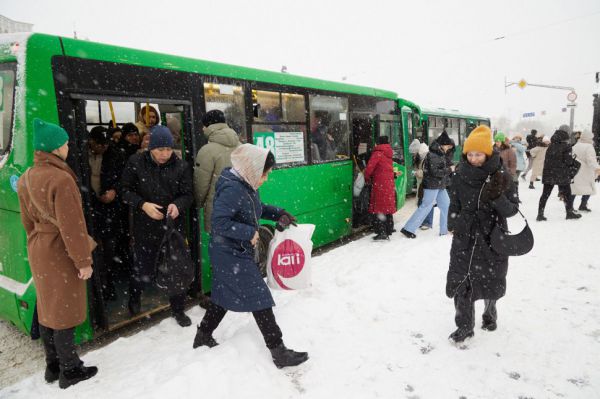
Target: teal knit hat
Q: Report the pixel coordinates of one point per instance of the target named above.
(500, 137)
(48, 137)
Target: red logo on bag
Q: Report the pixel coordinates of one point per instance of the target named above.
(287, 262)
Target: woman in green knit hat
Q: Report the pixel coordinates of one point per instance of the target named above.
(58, 249)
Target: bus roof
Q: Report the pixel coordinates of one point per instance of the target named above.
(109, 53)
(450, 113)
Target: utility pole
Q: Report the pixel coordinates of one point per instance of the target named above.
(572, 96)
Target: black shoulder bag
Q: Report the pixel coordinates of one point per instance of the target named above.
(518, 244)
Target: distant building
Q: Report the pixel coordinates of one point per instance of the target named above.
(7, 25)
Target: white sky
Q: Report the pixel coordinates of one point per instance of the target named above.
(436, 53)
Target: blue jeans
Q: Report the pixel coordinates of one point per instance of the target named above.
(429, 219)
(429, 198)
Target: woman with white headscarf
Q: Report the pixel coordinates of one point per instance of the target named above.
(237, 284)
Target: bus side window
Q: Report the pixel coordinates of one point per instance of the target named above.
(329, 130)
(7, 93)
(230, 100)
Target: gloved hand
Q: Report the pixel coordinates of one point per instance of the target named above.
(499, 183)
(285, 219)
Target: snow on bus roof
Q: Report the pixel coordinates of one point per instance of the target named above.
(437, 111)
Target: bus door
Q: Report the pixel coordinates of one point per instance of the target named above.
(391, 126)
(363, 128)
(111, 226)
(408, 117)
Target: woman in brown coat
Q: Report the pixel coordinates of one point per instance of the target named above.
(59, 251)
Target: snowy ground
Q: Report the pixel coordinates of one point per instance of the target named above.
(376, 324)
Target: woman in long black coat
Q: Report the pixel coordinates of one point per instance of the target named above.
(237, 283)
(155, 184)
(559, 170)
(481, 195)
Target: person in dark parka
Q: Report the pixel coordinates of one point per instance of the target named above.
(106, 164)
(560, 167)
(437, 169)
(481, 195)
(382, 204)
(155, 184)
(237, 283)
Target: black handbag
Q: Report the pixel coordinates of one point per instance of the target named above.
(518, 244)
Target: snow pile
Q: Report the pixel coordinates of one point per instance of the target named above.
(376, 324)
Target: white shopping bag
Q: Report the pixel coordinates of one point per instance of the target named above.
(359, 184)
(288, 265)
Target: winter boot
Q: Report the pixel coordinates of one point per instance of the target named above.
(73, 376)
(182, 319)
(52, 372)
(381, 237)
(531, 186)
(408, 234)
(460, 335)
(541, 217)
(284, 357)
(571, 214)
(584, 208)
(489, 325)
(134, 304)
(203, 339)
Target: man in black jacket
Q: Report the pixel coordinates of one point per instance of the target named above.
(532, 142)
(105, 166)
(559, 169)
(155, 184)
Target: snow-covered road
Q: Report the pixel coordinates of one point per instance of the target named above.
(375, 325)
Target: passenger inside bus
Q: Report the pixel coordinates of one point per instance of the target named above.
(106, 164)
(147, 118)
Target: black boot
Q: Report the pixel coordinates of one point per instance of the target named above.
(134, 304)
(571, 214)
(489, 325)
(408, 234)
(460, 335)
(284, 357)
(584, 208)
(182, 319)
(73, 376)
(381, 237)
(52, 372)
(203, 339)
(541, 217)
(531, 186)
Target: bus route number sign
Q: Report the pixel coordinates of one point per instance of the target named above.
(286, 146)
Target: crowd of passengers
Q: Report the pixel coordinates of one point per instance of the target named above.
(138, 188)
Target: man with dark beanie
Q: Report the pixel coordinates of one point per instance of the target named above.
(155, 184)
(212, 158)
(59, 251)
(437, 169)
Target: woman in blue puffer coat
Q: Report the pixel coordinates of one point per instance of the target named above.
(237, 283)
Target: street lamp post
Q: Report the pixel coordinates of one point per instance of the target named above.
(572, 96)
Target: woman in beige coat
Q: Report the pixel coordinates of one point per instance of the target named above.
(538, 154)
(59, 251)
(584, 183)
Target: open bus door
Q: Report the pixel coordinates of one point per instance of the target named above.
(391, 126)
(110, 313)
(363, 128)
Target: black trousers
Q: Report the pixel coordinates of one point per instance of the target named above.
(177, 302)
(465, 310)
(584, 200)
(265, 319)
(564, 189)
(383, 224)
(59, 346)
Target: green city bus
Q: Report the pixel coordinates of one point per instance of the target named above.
(81, 84)
(457, 125)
